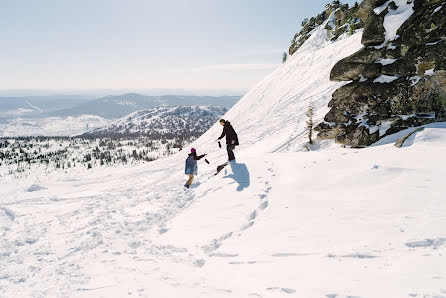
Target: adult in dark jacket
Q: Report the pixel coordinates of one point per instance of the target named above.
(231, 138)
(192, 166)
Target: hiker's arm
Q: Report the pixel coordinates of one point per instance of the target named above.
(222, 134)
(199, 157)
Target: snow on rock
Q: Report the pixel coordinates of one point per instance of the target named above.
(394, 19)
(429, 72)
(385, 79)
(386, 61)
(438, 9)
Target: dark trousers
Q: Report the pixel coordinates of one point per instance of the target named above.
(230, 149)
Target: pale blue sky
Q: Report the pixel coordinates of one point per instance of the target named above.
(143, 44)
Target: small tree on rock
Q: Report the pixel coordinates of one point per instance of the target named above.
(310, 123)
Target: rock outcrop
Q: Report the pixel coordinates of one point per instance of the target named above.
(397, 80)
(344, 20)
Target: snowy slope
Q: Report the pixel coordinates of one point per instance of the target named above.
(331, 223)
(271, 117)
(343, 222)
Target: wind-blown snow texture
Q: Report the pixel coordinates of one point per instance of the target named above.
(331, 223)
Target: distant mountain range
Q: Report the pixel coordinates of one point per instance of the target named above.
(185, 122)
(35, 106)
(109, 107)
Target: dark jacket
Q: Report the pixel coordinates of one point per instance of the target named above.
(191, 163)
(230, 134)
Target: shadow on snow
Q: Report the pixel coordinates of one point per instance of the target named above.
(240, 174)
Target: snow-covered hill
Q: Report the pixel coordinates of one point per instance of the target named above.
(117, 106)
(164, 122)
(279, 222)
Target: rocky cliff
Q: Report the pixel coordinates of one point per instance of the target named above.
(397, 80)
(344, 19)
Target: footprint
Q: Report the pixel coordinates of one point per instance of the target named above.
(263, 205)
(223, 255)
(426, 243)
(253, 215)
(355, 256)
(288, 254)
(216, 243)
(286, 290)
(199, 263)
(247, 226)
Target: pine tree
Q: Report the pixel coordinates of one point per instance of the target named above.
(310, 123)
(284, 57)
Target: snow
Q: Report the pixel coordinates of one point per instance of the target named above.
(391, 47)
(386, 61)
(394, 19)
(383, 127)
(385, 79)
(279, 222)
(34, 107)
(51, 126)
(414, 80)
(378, 10)
(438, 9)
(270, 225)
(433, 43)
(429, 72)
(18, 111)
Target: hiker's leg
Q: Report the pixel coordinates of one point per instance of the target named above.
(191, 178)
(230, 152)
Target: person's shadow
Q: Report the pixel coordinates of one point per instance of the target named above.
(240, 174)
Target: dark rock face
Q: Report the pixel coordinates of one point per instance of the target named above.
(366, 6)
(374, 32)
(411, 71)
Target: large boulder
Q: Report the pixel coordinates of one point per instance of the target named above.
(374, 32)
(362, 64)
(359, 137)
(351, 71)
(338, 116)
(367, 55)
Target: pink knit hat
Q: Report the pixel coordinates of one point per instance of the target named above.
(193, 150)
